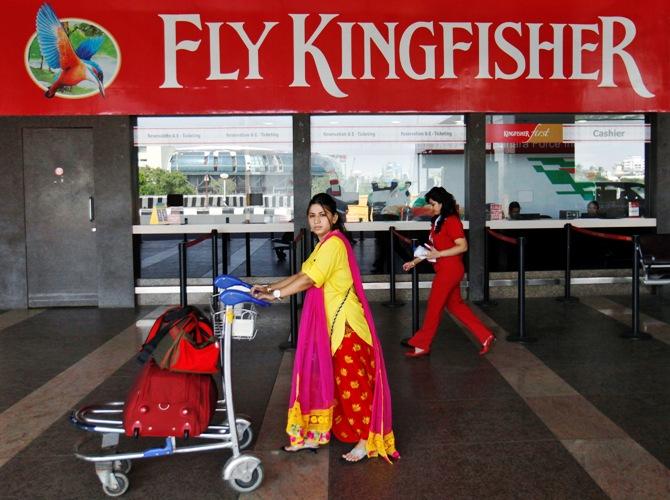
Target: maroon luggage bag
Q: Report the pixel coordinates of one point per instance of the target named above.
(164, 403)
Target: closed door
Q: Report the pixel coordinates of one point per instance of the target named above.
(60, 227)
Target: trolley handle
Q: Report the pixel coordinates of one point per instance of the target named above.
(226, 281)
(233, 297)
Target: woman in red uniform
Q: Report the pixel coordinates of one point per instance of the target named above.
(446, 249)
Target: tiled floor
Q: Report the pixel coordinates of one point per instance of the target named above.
(581, 413)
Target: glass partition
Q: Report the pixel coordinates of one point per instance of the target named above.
(379, 166)
(557, 166)
(217, 169)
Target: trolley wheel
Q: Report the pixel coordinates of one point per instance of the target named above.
(122, 487)
(254, 482)
(246, 437)
(123, 466)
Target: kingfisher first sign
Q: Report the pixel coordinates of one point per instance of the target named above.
(70, 57)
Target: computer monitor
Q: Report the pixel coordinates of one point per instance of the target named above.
(527, 216)
(175, 200)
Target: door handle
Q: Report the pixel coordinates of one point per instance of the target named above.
(91, 209)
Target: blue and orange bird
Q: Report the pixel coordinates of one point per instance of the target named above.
(72, 66)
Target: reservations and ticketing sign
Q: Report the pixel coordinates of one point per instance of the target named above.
(75, 57)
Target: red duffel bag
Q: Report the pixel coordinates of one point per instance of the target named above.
(182, 340)
(162, 403)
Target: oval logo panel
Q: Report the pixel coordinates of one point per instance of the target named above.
(71, 58)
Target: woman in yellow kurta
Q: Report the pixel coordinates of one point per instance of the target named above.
(339, 378)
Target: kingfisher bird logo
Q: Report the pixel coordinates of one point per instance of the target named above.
(74, 58)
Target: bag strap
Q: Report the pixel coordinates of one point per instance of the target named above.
(332, 325)
(170, 319)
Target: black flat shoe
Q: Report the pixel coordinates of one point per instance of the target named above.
(405, 342)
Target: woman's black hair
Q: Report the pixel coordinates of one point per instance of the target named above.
(441, 195)
(328, 203)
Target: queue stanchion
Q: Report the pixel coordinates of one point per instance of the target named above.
(636, 334)
(215, 259)
(415, 293)
(486, 301)
(183, 260)
(392, 277)
(567, 291)
(635, 290)
(292, 341)
(521, 335)
(247, 250)
(225, 238)
(183, 301)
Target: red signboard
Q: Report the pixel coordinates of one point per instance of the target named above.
(200, 57)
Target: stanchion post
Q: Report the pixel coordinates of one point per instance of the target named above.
(392, 300)
(183, 275)
(415, 293)
(293, 302)
(636, 334)
(567, 294)
(521, 335)
(224, 252)
(215, 258)
(247, 244)
(486, 301)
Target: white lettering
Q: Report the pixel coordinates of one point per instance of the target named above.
(511, 51)
(300, 50)
(428, 50)
(450, 46)
(253, 48)
(578, 47)
(347, 73)
(535, 47)
(215, 56)
(609, 51)
(386, 46)
(170, 45)
(483, 30)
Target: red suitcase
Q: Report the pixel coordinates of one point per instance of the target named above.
(164, 403)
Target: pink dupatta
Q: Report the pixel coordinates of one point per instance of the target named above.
(312, 389)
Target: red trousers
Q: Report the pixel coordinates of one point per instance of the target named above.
(446, 292)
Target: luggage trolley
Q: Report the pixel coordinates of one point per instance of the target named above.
(234, 313)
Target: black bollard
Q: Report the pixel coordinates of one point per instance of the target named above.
(521, 335)
(182, 275)
(392, 300)
(415, 293)
(636, 334)
(567, 297)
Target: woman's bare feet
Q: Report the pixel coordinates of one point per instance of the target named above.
(357, 453)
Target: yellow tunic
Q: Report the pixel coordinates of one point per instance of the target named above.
(328, 267)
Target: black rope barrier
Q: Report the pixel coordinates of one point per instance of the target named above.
(521, 334)
(635, 334)
(183, 263)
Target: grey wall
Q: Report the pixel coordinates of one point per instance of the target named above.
(658, 170)
(114, 178)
